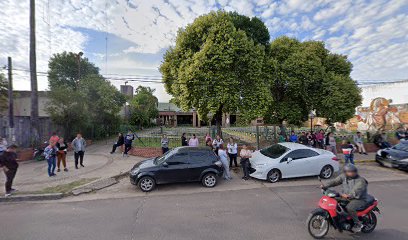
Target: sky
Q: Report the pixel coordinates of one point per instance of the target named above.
(127, 38)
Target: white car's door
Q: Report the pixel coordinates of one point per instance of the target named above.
(298, 163)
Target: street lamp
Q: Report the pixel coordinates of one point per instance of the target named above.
(312, 115)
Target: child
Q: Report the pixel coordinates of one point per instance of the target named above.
(348, 151)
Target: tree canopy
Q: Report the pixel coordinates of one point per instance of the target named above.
(81, 100)
(216, 66)
(143, 106)
(224, 62)
(305, 76)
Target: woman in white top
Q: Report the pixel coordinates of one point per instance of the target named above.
(193, 141)
(217, 143)
(232, 152)
(245, 154)
(224, 160)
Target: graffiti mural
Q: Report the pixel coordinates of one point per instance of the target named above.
(380, 115)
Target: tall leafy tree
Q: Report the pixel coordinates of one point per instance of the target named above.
(80, 98)
(216, 67)
(305, 76)
(3, 93)
(143, 106)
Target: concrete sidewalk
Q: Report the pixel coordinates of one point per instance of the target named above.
(32, 176)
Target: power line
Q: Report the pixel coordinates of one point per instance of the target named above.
(159, 79)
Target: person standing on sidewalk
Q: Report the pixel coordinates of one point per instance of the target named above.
(320, 139)
(8, 161)
(62, 154)
(331, 143)
(50, 153)
(217, 143)
(118, 143)
(54, 137)
(348, 151)
(293, 137)
(224, 160)
(193, 142)
(359, 142)
(164, 144)
(232, 152)
(184, 141)
(128, 142)
(79, 144)
(245, 154)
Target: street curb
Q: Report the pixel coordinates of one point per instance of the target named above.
(362, 161)
(94, 185)
(32, 197)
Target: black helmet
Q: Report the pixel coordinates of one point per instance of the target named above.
(350, 168)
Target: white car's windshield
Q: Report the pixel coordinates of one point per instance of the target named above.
(274, 151)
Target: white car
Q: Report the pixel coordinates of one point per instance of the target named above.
(290, 160)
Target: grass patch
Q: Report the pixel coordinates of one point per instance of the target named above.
(63, 188)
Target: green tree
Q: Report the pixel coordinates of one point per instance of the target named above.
(305, 76)
(143, 107)
(81, 100)
(216, 67)
(3, 93)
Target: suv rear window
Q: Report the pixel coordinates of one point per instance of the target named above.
(274, 151)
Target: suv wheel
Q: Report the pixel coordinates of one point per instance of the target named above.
(146, 184)
(209, 180)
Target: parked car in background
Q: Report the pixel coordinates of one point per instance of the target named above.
(182, 164)
(290, 160)
(394, 157)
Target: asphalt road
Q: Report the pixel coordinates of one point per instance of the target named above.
(261, 213)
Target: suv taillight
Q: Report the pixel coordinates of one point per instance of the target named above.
(335, 159)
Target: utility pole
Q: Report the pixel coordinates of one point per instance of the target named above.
(10, 100)
(33, 76)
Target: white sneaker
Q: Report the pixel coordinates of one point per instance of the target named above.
(7, 194)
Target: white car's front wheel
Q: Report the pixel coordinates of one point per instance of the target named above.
(274, 176)
(326, 172)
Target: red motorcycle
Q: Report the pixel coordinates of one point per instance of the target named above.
(332, 212)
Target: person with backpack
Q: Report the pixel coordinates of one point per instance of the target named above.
(50, 153)
(128, 142)
(79, 144)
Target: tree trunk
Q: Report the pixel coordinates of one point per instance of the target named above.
(33, 76)
(282, 129)
(218, 121)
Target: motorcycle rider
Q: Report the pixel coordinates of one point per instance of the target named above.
(354, 190)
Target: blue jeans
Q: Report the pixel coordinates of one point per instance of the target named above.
(51, 166)
(349, 158)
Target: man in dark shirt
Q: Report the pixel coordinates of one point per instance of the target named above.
(8, 161)
(184, 141)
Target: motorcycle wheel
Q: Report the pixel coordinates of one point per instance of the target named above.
(370, 222)
(318, 225)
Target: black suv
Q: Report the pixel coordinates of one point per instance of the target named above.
(182, 164)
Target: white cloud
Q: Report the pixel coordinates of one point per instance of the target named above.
(374, 34)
